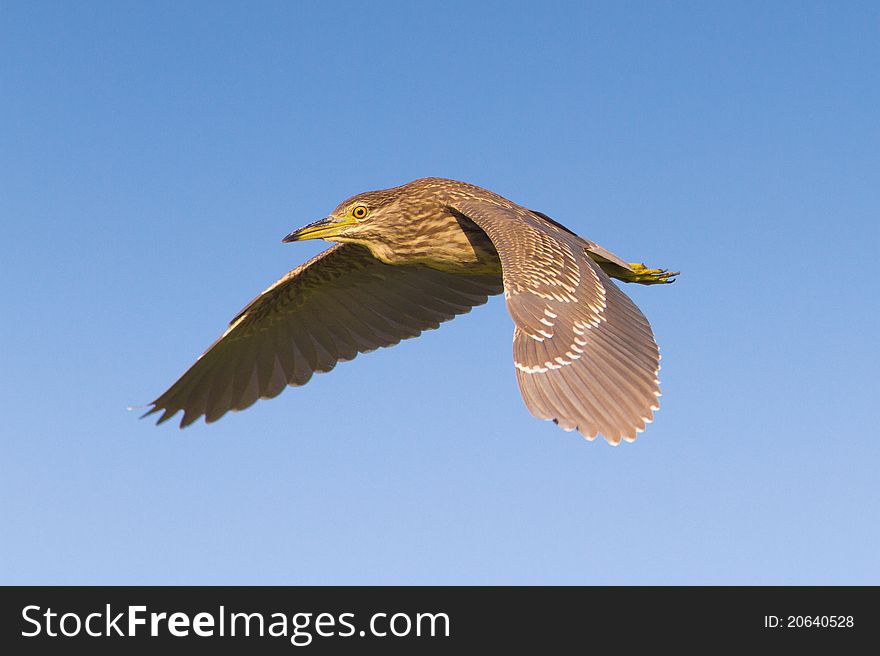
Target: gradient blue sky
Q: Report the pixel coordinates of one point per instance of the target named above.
(152, 155)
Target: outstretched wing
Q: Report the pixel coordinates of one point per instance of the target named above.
(585, 355)
(338, 304)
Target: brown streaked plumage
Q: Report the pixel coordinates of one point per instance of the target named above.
(413, 256)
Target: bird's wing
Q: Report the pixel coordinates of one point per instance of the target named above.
(585, 355)
(596, 252)
(340, 303)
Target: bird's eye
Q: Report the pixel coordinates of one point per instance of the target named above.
(359, 212)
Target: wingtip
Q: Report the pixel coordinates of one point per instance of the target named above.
(165, 416)
(154, 409)
(189, 418)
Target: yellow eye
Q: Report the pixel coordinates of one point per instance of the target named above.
(359, 212)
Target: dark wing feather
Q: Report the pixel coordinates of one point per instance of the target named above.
(340, 303)
(584, 353)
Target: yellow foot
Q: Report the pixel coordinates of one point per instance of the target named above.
(645, 276)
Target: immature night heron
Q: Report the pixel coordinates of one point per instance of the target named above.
(416, 255)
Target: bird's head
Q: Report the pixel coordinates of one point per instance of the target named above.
(387, 221)
(361, 218)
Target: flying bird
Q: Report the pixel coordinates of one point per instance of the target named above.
(411, 257)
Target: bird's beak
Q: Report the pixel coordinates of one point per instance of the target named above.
(321, 229)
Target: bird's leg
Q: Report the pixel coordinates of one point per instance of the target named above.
(645, 276)
(631, 272)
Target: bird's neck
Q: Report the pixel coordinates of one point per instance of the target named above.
(442, 242)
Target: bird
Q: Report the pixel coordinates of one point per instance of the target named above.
(408, 258)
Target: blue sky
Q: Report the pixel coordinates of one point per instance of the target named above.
(152, 155)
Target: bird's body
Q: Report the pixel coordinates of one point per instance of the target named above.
(413, 256)
(416, 232)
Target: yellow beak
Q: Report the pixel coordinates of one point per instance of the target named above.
(320, 229)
